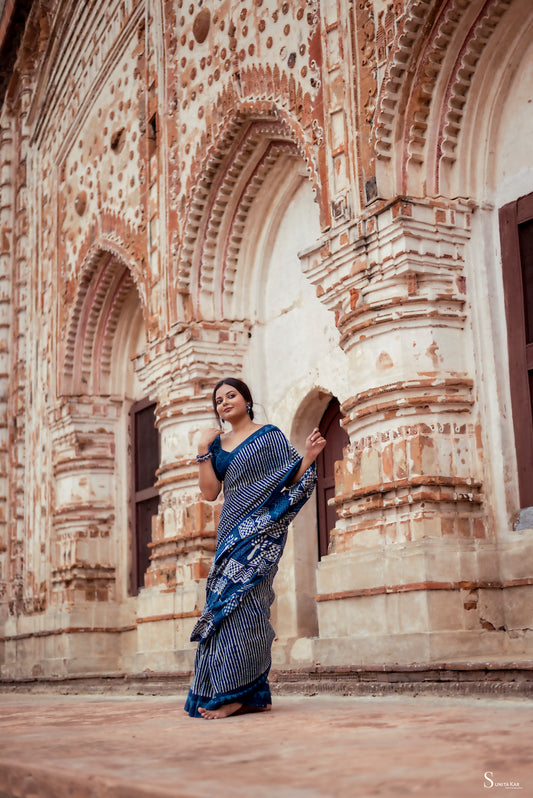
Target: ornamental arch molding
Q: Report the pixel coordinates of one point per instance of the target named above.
(426, 88)
(494, 166)
(465, 164)
(253, 146)
(105, 286)
(90, 458)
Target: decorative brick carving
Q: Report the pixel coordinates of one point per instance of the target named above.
(461, 76)
(93, 312)
(6, 239)
(233, 174)
(181, 372)
(398, 73)
(408, 483)
(84, 534)
(142, 147)
(414, 64)
(382, 288)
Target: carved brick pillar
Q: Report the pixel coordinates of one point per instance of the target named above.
(415, 459)
(180, 373)
(17, 234)
(6, 291)
(409, 490)
(84, 515)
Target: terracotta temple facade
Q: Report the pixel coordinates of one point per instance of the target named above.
(332, 199)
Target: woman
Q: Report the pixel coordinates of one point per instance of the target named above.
(265, 484)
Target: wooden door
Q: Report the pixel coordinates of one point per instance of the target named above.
(337, 439)
(145, 497)
(516, 233)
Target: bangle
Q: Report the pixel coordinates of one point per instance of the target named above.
(201, 458)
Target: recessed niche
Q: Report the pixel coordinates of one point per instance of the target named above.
(118, 139)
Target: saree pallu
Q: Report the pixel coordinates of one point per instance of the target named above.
(234, 634)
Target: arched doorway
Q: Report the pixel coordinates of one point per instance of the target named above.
(138, 450)
(337, 439)
(500, 178)
(145, 458)
(255, 218)
(95, 456)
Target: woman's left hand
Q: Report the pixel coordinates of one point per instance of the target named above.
(314, 444)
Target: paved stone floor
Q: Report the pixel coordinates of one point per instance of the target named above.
(109, 746)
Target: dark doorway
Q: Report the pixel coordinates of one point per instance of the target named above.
(337, 439)
(145, 497)
(516, 233)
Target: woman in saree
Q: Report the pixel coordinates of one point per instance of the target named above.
(265, 483)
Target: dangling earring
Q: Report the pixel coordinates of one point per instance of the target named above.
(248, 408)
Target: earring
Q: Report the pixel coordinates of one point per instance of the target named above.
(248, 408)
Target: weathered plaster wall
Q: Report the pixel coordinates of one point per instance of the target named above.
(302, 192)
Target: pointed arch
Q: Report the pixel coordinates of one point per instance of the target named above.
(399, 77)
(248, 272)
(464, 158)
(426, 87)
(105, 284)
(234, 171)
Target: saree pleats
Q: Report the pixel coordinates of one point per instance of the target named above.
(233, 664)
(234, 633)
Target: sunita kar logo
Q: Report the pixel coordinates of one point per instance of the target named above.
(490, 782)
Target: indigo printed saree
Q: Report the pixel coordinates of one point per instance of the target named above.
(233, 632)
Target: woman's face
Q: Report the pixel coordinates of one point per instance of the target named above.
(230, 404)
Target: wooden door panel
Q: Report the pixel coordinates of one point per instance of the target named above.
(144, 512)
(337, 439)
(145, 496)
(516, 235)
(146, 448)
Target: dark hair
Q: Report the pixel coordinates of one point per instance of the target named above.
(239, 386)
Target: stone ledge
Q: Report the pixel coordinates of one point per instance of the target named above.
(166, 683)
(465, 679)
(513, 679)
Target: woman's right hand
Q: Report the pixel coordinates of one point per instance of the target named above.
(207, 479)
(206, 439)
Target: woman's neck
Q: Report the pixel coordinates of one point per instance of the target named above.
(240, 426)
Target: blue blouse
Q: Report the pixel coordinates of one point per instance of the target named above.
(222, 458)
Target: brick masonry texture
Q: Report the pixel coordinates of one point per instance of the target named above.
(304, 193)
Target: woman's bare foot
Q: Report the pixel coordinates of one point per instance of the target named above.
(222, 712)
(230, 709)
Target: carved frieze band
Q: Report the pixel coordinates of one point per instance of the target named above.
(412, 480)
(393, 263)
(432, 394)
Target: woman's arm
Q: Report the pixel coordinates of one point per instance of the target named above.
(313, 446)
(208, 481)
